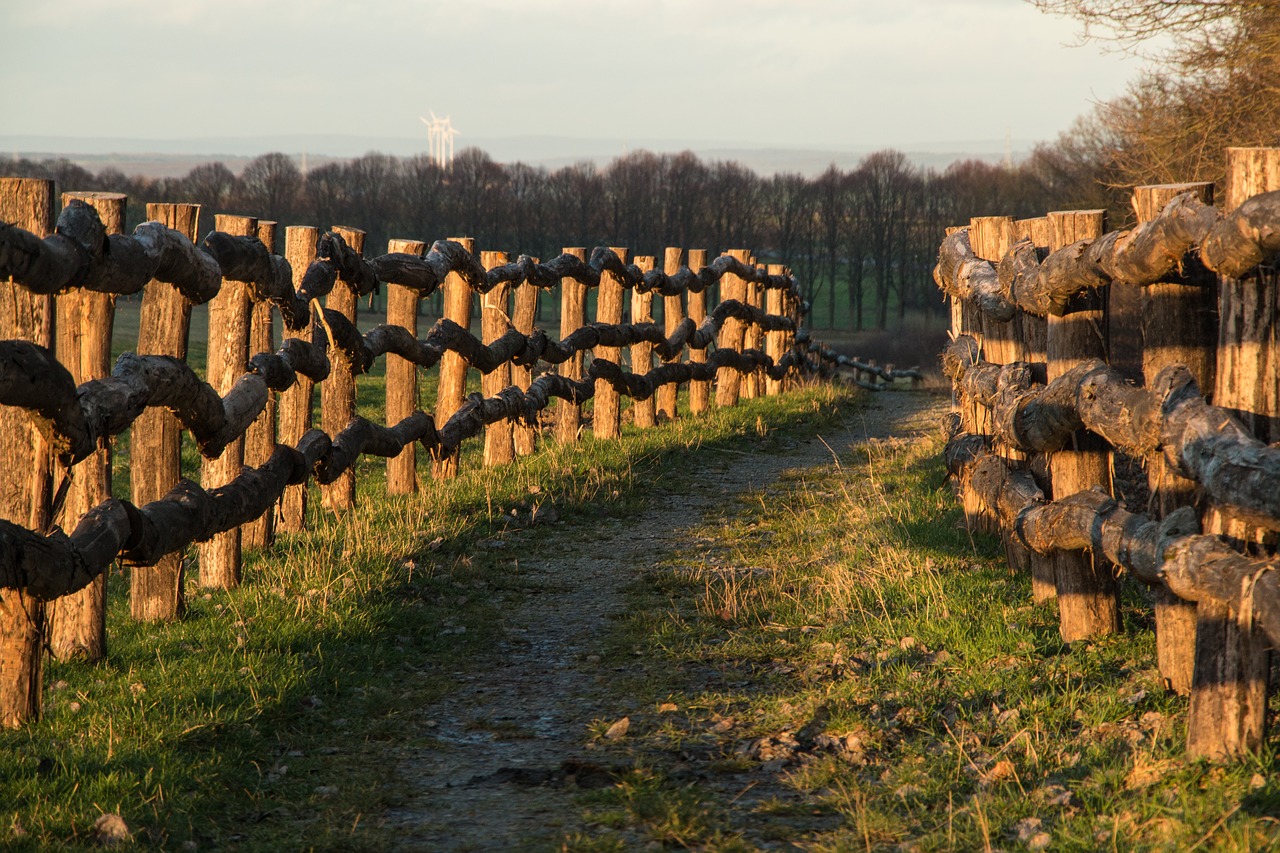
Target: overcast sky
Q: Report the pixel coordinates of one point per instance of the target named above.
(795, 73)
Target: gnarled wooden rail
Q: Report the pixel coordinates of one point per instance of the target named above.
(1230, 245)
(1171, 551)
(1201, 442)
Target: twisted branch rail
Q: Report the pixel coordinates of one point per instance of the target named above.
(1230, 245)
(1169, 552)
(80, 254)
(51, 566)
(1201, 442)
(74, 419)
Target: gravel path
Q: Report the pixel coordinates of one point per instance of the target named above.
(510, 749)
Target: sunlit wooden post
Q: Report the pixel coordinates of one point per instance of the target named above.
(775, 341)
(644, 412)
(672, 316)
(524, 436)
(402, 375)
(260, 438)
(338, 392)
(1228, 712)
(732, 287)
(1083, 582)
(295, 403)
(28, 203)
(752, 334)
(1179, 326)
(164, 323)
(573, 315)
(228, 356)
(453, 367)
(495, 320)
(78, 622)
(699, 389)
(606, 417)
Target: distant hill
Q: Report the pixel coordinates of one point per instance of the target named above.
(174, 157)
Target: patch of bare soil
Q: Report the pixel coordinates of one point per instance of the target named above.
(511, 748)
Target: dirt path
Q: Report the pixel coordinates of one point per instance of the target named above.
(511, 745)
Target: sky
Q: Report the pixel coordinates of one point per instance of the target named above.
(753, 73)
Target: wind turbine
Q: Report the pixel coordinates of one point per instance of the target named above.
(440, 134)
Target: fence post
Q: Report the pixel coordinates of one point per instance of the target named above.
(644, 412)
(1179, 325)
(1084, 583)
(752, 334)
(524, 436)
(775, 342)
(228, 355)
(260, 438)
(77, 622)
(28, 203)
(672, 315)
(573, 316)
(728, 380)
(164, 322)
(1228, 709)
(499, 443)
(606, 418)
(402, 375)
(338, 392)
(699, 389)
(990, 237)
(295, 403)
(456, 296)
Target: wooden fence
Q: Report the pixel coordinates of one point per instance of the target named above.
(1042, 418)
(62, 401)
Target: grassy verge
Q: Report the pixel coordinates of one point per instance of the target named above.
(270, 716)
(834, 665)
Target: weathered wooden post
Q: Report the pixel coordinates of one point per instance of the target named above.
(728, 380)
(26, 496)
(1088, 603)
(499, 445)
(672, 316)
(402, 375)
(78, 622)
(338, 392)
(260, 438)
(156, 592)
(975, 420)
(775, 341)
(573, 315)
(228, 356)
(523, 316)
(752, 334)
(295, 403)
(990, 237)
(1179, 320)
(606, 417)
(1228, 710)
(699, 389)
(453, 367)
(644, 412)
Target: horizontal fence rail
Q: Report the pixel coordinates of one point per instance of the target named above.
(1040, 412)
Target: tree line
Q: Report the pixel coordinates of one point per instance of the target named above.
(863, 241)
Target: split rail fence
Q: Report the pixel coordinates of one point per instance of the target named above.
(1042, 416)
(62, 401)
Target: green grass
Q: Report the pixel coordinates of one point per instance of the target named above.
(268, 717)
(834, 664)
